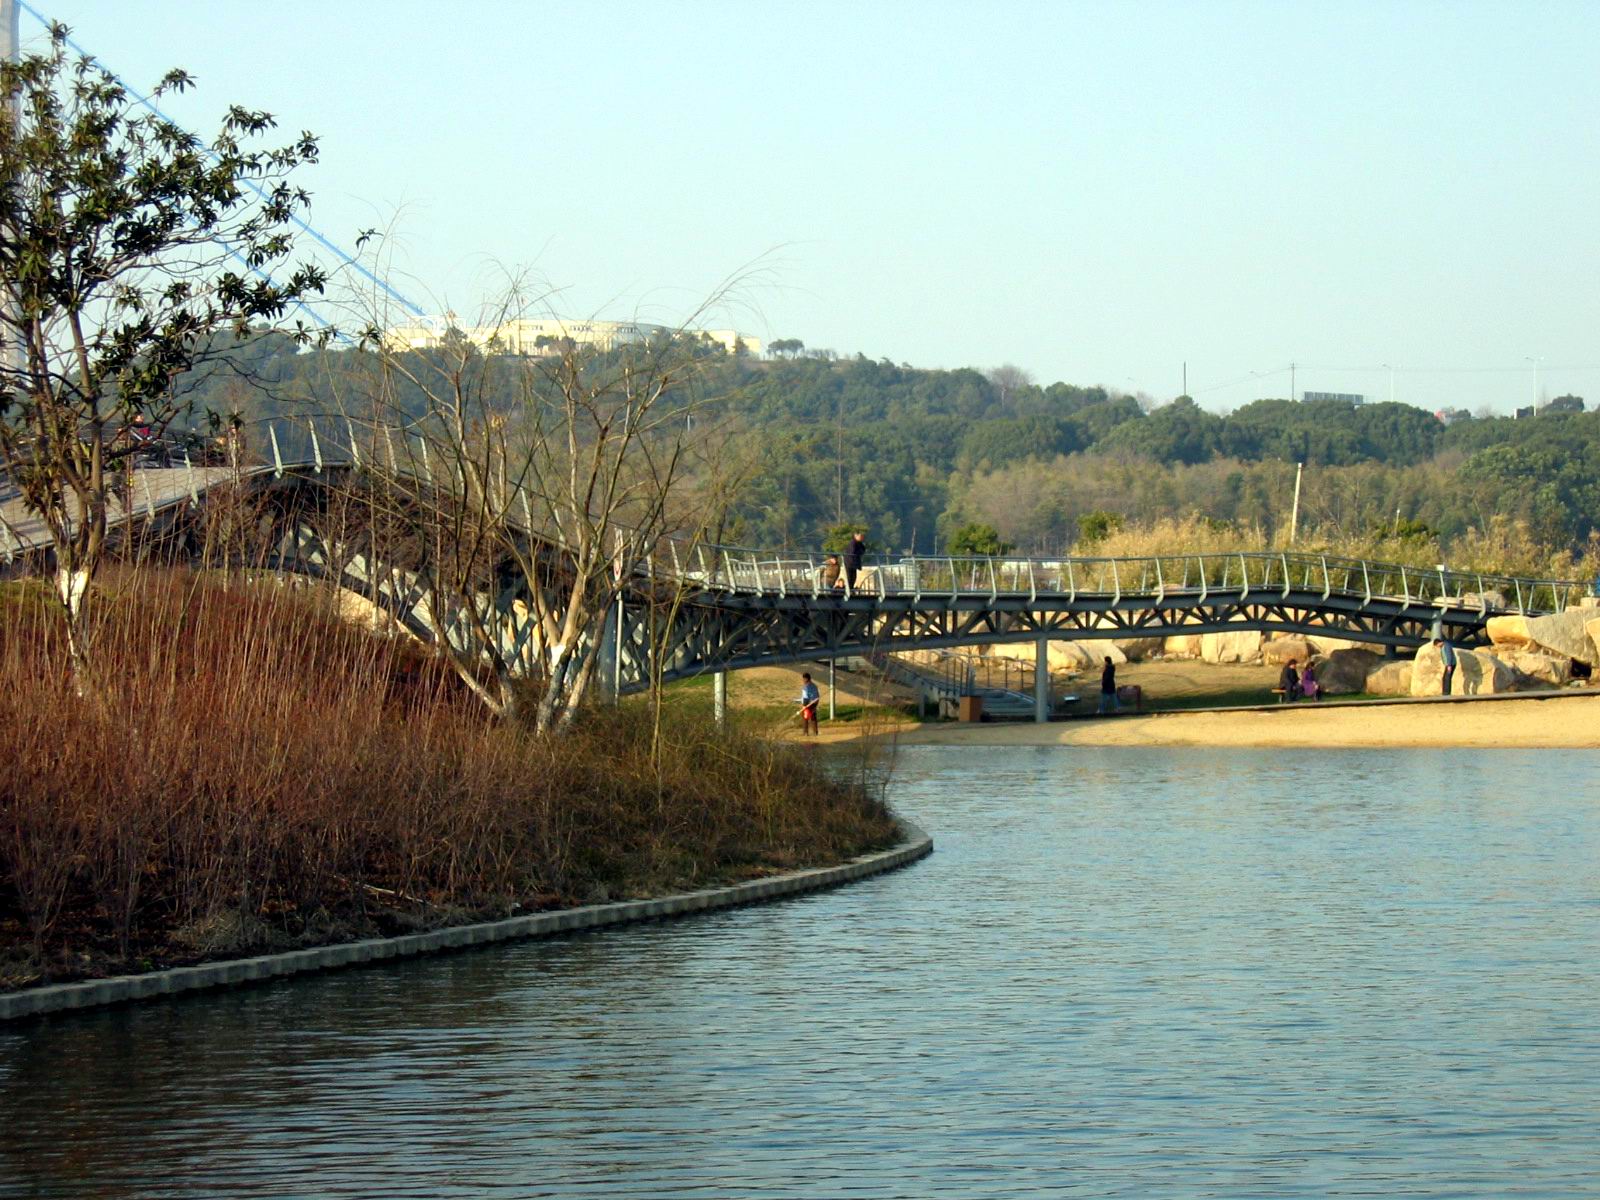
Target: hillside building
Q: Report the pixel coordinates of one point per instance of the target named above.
(546, 335)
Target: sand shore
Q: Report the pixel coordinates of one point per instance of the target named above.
(1566, 721)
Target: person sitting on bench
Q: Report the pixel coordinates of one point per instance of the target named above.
(1289, 683)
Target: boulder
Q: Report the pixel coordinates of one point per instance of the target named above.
(1391, 679)
(1081, 656)
(1345, 671)
(1282, 649)
(1564, 634)
(1483, 600)
(1509, 630)
(1477, 674)
(1244, 646)
(1064, 656)
(1183, 645)
(1592, 628)
(1327, 645)
(1540, 670)
(1138, 649)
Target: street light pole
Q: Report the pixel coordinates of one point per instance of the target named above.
(1535, 362)
(1294, 512)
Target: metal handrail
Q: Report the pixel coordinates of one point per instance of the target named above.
(789, 572)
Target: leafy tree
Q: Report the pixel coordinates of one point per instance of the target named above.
(839, 535)
(125, 244)
(1565, 404)
(1096, 526)
(978, 540)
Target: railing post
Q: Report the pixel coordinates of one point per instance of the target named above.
(1161, 585)
(188, 467)
(1521, 607)
(277, 457)
(355, 450)
(1244, 571)
(1405, 586)
(1072, 584)
(1284, 559)
(1327, 584)
(316, 446)
(993, 592)
(1205, 582)
(1116, 582)
(1033, 588)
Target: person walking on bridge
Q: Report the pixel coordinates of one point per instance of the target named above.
(853, 554)
(809, 699)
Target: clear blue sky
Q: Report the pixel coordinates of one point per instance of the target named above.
(1094, 192)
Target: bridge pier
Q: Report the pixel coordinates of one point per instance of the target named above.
(719, 698)
(1041, 680)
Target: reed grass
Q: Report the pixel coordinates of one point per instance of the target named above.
(246, 771)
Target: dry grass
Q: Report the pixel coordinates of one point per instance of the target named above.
(245, 771)
(1503, 546)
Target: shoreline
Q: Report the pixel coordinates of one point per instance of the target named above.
(1548, 721)
(914, 844)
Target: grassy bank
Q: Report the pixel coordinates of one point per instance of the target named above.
(247, 772)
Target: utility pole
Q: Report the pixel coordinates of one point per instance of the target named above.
(1291, 381)
(1294, 512)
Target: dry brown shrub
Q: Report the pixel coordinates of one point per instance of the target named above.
(248, 771)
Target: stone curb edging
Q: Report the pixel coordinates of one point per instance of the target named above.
(93, 993)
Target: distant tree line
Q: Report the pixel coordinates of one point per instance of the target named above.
(917, 455)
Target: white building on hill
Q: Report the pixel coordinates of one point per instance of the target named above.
(546, 335)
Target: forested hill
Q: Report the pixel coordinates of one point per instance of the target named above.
(915, 454)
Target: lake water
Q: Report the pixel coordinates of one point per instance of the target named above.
(1122, 973)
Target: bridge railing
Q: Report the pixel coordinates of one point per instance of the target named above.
(1248, 574)
(315, 441)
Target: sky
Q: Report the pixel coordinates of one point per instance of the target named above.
(1398, 198)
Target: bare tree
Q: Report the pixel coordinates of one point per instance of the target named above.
(543, 485)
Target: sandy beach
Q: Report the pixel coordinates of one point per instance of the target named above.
(1569, 720)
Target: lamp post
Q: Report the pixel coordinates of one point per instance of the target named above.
(1535, 362)
(1390, 368)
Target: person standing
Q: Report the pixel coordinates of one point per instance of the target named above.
(809, 699)
(1447, 658)
(1108, 687)
(853, 554)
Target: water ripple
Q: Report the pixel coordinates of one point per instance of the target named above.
(1124, 973)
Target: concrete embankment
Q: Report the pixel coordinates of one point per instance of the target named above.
(914, 844)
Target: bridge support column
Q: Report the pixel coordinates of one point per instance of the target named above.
(1041, 680)
(719, 698)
